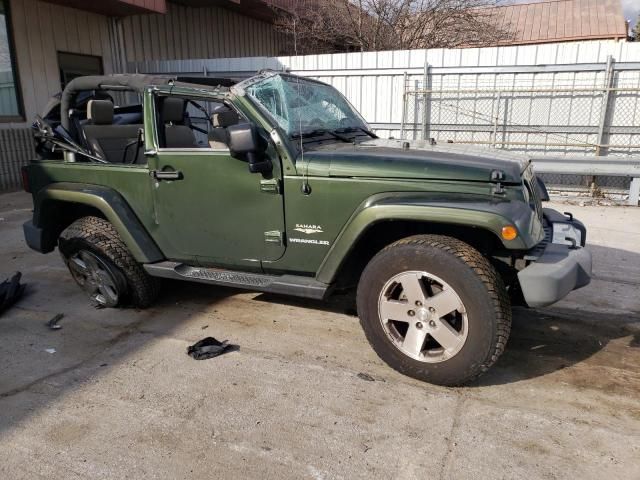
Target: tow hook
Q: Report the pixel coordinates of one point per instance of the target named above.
(574, 245)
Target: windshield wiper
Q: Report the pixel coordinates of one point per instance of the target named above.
(321, 131)
(356, 129)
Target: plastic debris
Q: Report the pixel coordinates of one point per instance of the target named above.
(50, 350)
(366, 377)
(10, 291)
(53, 323)
(209, 348)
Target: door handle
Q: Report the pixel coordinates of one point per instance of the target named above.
(166, 175)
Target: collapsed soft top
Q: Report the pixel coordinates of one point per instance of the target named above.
(129, 83)
(122, 82)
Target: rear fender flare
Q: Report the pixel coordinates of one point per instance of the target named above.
(114, 208)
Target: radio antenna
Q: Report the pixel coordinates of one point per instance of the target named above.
(306, 188)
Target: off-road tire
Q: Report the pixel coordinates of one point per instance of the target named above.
(476, 282)
(99, 237)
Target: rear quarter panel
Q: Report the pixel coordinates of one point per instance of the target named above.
(132, 183)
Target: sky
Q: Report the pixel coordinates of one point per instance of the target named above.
(631, 9)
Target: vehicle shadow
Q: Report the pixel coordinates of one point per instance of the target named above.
(544, 341)
(342, 303)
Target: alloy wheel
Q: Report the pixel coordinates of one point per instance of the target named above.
(95, 277)
(423, 316)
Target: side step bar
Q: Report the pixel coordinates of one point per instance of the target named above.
(285, 284)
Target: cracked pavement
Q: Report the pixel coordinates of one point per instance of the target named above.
(120, 398)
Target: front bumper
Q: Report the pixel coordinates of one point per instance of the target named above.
(557, 269)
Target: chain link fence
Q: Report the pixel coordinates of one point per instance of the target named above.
(534, 114)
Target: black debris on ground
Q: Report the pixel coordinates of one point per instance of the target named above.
(53, 323)
(210, 347)
(10, 291)
(366, 377)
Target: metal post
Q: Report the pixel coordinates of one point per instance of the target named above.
(416, 107)
(404, 104)
(604, 108)
(606, 95)
(426, 112)
(634, 192)
(496, 120)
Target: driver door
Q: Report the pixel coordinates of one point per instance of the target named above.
(209, 209)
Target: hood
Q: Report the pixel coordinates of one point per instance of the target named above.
(378, 158)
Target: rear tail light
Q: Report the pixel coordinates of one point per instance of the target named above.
(25, 180)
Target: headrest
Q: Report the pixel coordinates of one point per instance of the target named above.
(100, 112)
(225, 119)
(173, 110)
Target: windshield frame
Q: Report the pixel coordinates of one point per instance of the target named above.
(242, 89)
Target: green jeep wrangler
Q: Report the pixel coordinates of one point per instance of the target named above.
(277, 184)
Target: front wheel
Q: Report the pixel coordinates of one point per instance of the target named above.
(433, 308)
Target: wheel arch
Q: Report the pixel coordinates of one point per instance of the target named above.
(381, 234)
(377, 224)
(58, 205)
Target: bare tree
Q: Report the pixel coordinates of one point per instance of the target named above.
(324, 26)
(635, 31)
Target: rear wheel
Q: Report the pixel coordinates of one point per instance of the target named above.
(435, 309)
(102, 265)
(104, 284)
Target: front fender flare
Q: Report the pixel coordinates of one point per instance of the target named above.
(470, 211)
(114, 208)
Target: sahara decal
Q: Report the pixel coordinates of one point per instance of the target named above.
(308, 229)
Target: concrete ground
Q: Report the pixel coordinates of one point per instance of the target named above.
(120, 398)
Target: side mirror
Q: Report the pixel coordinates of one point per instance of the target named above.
(246, 144)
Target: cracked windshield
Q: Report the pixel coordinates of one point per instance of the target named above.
(304, 108)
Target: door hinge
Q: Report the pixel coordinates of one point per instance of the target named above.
(274, 236)
(270, 186)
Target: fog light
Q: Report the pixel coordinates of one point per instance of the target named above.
(509, 232)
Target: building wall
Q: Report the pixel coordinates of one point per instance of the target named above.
(206, 32)
(42, 29)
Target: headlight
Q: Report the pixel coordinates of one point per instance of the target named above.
(564, 233)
